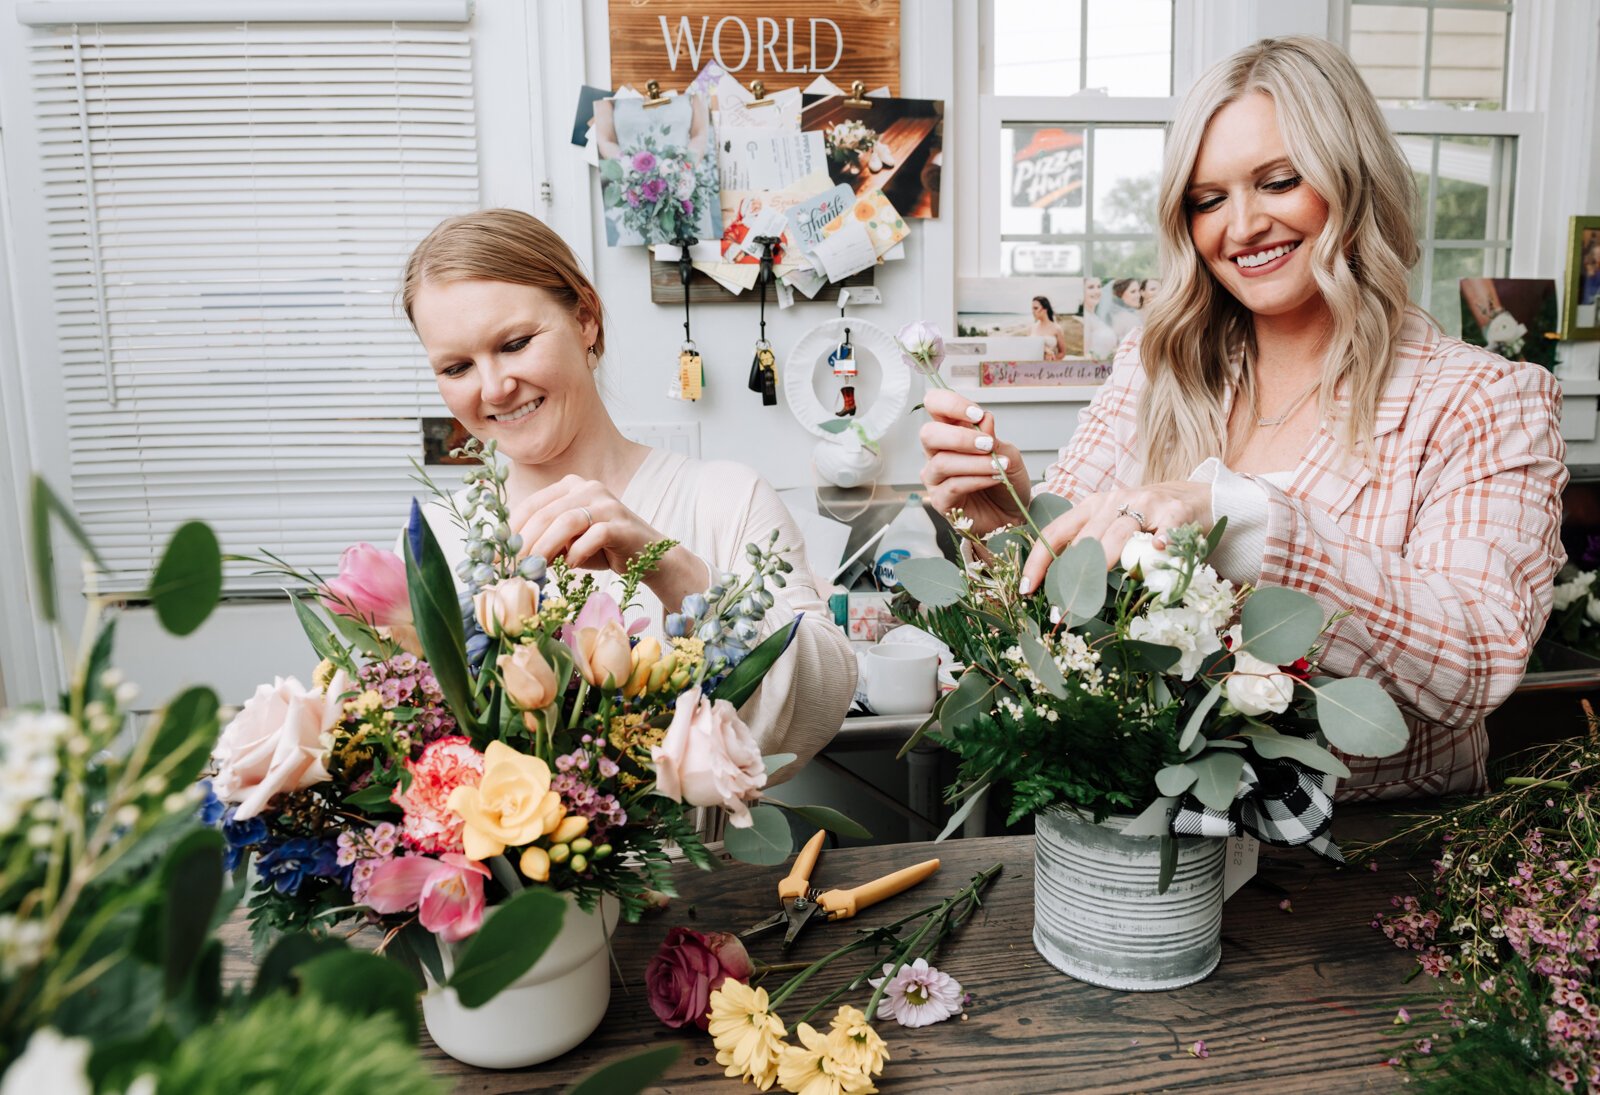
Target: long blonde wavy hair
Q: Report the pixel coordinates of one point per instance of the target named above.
(1340, 145)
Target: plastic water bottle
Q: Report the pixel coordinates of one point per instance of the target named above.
(911, 535)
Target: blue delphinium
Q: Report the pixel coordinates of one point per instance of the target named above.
(287, 865)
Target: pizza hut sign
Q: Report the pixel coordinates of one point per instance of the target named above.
(1047, 171)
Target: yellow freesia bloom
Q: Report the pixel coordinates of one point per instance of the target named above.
(512, 805)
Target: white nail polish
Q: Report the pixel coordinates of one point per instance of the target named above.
(975, 413)
(1004, 461)
(1025, 586)
(984, 442)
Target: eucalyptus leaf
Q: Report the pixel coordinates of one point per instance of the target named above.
(1217, 778)
(998, 544)
(1175, 779)
(185, 734)
(1138, 656)
(291, 950)
(191, 883)
(361, 984)
(1275, 746)
(935, 583)
(775, 761)
(960, 816)
(1279, 625)
(1046, 507)
(825, 817)
(629, 1075)
(1198, 717)
(835, 425)
(187, 583)
(1039, 660)
(1357, 716)
(971, 699)
(766, 841)
(1076, 582)
(507, 945)
(927, 724)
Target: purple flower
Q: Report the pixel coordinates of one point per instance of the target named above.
(633, 198)
(644, 161)
(687, 205)
(918, 994)
(654, 189)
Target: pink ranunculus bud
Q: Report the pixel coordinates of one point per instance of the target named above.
(371, 586)
(688, 968)
(709, 757)
(446, 892)
(277, 743)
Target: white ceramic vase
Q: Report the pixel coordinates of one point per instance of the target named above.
(1098, 917)
(547, 1011)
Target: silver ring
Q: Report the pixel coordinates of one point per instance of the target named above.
(587, 516)
(1129, 511)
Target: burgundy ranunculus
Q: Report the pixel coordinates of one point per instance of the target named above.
(688, 968)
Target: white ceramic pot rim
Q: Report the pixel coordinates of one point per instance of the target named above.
(581, 935)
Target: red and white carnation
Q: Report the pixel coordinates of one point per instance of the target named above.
(430, 825)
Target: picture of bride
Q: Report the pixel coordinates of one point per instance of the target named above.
(1045, 325)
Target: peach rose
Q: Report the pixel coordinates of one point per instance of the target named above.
(278, 742)
(709, 757)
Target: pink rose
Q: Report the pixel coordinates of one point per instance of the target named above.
(446, 892)
(371, 586)
(688, 968)
(278, 742)
(709, 758)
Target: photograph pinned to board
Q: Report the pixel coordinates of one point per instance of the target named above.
(1042, 308)
(881, 143)
(1581, 316)
(583, 119)
(658, 170)
(1513, 317)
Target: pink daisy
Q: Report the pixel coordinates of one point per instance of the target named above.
(430, 825)
(919, 994)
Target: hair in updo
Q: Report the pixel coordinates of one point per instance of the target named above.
(504, 245)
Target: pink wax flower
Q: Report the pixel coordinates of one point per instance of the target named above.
(371, 586)
(446, 892)
(430, 825)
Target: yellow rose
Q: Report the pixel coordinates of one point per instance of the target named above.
(505, 607)
(604, 657)
(530, 681)
(512, 805)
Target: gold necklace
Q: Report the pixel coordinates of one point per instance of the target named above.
(1294, 405)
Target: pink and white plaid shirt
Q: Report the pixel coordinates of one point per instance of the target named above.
(1443, 547)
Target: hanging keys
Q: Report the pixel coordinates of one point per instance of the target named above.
(843, 359)
(764, 373)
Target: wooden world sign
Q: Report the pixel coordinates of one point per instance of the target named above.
(780, 43)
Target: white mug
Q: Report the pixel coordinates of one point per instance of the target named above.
(902, 679)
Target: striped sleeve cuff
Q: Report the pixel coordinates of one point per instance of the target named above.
(1243, 501)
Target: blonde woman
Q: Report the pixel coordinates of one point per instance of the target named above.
(1396, 474)
(514, 333)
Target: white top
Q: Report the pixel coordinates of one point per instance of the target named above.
(1238, 557)
(715, 508)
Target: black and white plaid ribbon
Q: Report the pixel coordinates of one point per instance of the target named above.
(1278, 802)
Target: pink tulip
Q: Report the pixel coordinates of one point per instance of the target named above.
(371, 586)
(446, 892)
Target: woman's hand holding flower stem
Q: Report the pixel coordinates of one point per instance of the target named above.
(968, 467)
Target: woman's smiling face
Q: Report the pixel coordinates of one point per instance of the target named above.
(511, 362)
(1250, 213)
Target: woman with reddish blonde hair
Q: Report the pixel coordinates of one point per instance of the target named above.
(515, 332)
(1408, 481)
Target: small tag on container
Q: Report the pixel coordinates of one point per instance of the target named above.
(1241, 865)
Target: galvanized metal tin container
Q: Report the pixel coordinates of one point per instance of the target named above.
(1098, 917)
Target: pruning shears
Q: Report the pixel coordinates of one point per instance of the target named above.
(801, 903)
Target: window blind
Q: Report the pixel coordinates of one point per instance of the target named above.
(229, 209)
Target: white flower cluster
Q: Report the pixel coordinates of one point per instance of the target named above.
(1078, 662)
(30, 759)
(21, 945)
(1580, 585)
(1194, 624)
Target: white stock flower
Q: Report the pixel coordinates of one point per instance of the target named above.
(1183, 628)
(30, 759)
(1212, 596)
(1592, 610)
(1567, 592)
(1140, 555)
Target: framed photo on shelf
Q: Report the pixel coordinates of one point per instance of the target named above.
(1580, 319)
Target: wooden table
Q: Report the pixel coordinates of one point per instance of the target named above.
(1303, 1001)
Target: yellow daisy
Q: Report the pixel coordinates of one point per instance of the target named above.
(853, 1041)
(811, 1068)
(749, 1038)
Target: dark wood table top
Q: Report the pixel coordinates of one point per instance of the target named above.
(1303, 1000)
